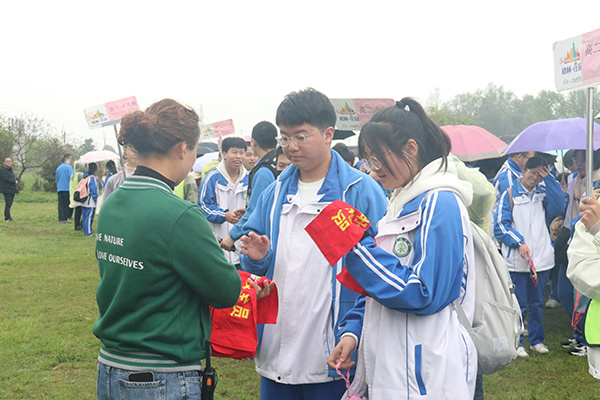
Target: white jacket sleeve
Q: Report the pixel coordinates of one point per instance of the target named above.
(584, 262)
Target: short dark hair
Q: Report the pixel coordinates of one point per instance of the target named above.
(278, 151)
(235, 142)
(535, 162)
(264, 134)
(307, 106)
(345, 152)
(523, 153)
(66, 157)
(92, 167)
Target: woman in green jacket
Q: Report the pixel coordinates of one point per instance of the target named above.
(160, 266)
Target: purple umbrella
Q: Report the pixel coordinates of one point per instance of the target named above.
(556, 134)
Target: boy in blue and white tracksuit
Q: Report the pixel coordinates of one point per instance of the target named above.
(219, 194)
(311, 301)
(521, 222)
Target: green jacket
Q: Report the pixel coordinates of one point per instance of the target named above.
(160, 270)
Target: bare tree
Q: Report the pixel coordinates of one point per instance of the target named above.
(28, 132)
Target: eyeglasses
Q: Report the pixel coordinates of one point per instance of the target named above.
(299, 139)
(372, 162)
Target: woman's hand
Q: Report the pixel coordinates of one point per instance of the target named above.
(254, 246)
(261, 292)
(341, 353)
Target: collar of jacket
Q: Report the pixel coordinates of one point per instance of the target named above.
(337, 180)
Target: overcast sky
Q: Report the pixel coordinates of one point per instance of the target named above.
(238, 59)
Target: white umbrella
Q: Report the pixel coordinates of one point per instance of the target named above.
(98, 156)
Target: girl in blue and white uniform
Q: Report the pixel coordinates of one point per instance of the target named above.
(412, 345)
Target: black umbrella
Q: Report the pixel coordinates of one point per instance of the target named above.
(339, 134)
(206, 147)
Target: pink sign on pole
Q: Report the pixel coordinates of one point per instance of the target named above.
(117, 109)
(577, 61)
(217, 129)
(352, 114)
(109, 113)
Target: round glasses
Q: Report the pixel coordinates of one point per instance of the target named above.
(372, 163)
(299, 139)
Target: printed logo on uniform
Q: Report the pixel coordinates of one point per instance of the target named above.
(402, 247)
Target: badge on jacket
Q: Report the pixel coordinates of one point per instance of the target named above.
(402, 247)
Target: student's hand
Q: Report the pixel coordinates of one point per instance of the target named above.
(590, 210)
(261, 292)
(231, 217)
(239, 213)
(227, 244)
(341, 353)
(254, 246)
(543, 171)
(523, 250)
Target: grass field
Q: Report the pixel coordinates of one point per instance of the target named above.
(48, 277)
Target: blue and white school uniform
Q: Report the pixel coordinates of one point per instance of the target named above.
(88, 207)
(412, 344)
(526, 221)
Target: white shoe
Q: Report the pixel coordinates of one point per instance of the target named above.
(521, 352)
(551, 303)
(540, 348)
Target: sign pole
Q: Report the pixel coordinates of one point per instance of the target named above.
(120, 152)
(589, 154)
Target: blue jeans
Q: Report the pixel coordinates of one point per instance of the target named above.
(271, 390)
(531, 298)
(114, 384)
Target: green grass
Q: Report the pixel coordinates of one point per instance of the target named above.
(48, 278)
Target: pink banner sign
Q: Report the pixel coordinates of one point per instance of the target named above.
(217, 129)
(352, 114)
(577, 61)
(109, 113)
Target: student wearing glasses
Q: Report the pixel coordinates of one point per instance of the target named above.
(411, 344)
(292, 354)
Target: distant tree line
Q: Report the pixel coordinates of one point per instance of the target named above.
(34, 144)
(505, 114)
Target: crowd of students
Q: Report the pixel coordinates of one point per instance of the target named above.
(163, 261)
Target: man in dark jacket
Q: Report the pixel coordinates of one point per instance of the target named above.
(8, 186)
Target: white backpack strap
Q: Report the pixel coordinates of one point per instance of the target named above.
(462, 317)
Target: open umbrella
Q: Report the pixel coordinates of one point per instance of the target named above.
(342, 134)
(472, 143)
(556, 134)
(98, 156)
(206, 147)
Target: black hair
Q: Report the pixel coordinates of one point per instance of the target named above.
(264, 133)
(235, 142)
(92, 167)
(110, 165)
(392, 127)
(66, 157)
(535, 162)
(345, 152)
(523, 153)
(307, 106)
(278, 151)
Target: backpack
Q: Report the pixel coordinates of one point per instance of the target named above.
(497, 322)
(82, 192)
